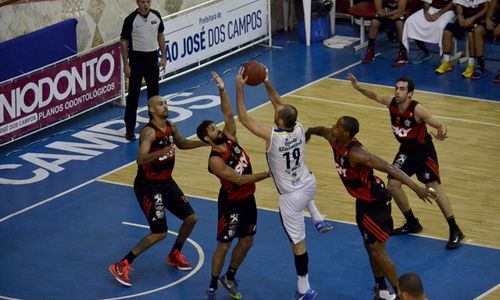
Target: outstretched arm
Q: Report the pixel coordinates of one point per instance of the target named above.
(255, 127)
(219, 168)
(359, 155)
(183, 143)
(225, 105)
(427, 117)
(385, 100)
(320, 131)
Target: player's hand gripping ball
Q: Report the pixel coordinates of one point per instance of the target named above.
(255, 71)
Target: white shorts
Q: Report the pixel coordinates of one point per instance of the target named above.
(292, 207)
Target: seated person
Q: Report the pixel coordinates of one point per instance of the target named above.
(427, 25)
(491, 28)
(389, 13)
(469, 13)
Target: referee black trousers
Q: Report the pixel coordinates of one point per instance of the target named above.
(142, 65)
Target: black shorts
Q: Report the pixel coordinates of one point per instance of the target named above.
(374, 219)
(156, 196)
(236, 218)
(421, 161)
(457, 30)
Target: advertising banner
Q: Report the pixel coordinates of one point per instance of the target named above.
(205, 32)
(59, 91)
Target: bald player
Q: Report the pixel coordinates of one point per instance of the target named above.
(156, 190)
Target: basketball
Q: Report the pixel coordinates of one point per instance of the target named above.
(255, 71)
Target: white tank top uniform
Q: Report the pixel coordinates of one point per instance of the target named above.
(294, 182)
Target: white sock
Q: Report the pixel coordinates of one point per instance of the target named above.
(313, 210)
(446, 57)
(471, 61)
(303, 284)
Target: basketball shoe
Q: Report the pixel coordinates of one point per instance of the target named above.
(400, 60)
(478, 73)
(444, 67)
(177, 260)
(211, 294)
(310, 294)
(469, 70)
(369, 56)
(323, 226)
(456, 237)
(408, 228)
(384, 295)
(121, 272)
(231, 287)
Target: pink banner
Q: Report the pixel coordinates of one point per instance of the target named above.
(57, 92)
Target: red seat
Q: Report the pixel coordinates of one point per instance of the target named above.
(364, 11)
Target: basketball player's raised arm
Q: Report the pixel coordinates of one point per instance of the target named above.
(219, 168)
(183, 143)
(272, 93)
(251, 124)
(385, 100)
(359, 155)
(225, 105)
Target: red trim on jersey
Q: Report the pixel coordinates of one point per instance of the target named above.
(146, 204)
(221, 225)
(433, 166)
(374, 229)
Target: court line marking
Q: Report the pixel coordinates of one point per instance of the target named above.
(198, 248)
(326, 218)
(385, 109)
(421, 91)
(488, 292)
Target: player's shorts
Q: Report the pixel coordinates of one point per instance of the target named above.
(374, 219)
(156, 196)
(236, 218)
(421, 161)
(457, 30)
(292, 207)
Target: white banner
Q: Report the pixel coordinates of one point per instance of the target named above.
(203, 33)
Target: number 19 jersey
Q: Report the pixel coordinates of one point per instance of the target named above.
(285, 158)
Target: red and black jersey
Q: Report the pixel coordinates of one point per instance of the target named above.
(405, 127)
(359, 181)
(236, 158)
(162, 167)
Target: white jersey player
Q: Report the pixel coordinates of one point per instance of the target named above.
(294, 182)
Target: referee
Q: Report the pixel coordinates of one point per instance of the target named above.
(142, 33)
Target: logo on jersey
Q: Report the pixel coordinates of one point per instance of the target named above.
(400, 160)
(342, 171)
(242, 164)
(401, 132)
(233, 224)
(159, 210)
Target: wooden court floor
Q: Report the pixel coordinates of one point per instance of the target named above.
(468, 159)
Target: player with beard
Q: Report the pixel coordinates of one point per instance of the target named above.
(156, 190)
(237, 210)
(416, 155)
